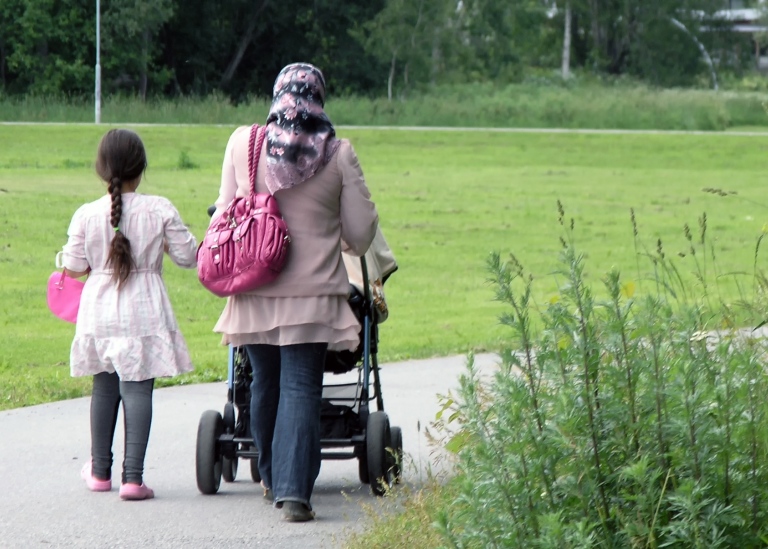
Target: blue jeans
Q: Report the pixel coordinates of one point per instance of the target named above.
(286, 393)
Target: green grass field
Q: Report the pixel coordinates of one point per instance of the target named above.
(445, 200)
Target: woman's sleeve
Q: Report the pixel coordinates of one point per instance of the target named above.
(73, 254)
(359, 218)
(228, 187)
(182, 247)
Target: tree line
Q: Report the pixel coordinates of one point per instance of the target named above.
(372, 47)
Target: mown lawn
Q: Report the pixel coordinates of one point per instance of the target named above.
(445, 199)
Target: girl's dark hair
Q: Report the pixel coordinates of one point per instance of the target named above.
(120, 158)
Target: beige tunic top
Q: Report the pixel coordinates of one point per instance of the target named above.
(327, 214)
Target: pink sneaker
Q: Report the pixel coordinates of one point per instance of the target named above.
(94, 484)
(134, 492)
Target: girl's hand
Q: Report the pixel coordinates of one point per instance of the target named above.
(77, 274)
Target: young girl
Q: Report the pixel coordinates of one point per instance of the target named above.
(126, 333)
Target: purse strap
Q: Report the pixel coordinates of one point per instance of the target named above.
(254, 152)
(60, 265)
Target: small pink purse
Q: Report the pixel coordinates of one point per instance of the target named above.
(64, 295)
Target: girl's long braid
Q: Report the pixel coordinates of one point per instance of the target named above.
(120, 257)
(121, 158)
(115, 186)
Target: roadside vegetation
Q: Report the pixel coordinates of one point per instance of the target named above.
(541, 101)
(632, 415)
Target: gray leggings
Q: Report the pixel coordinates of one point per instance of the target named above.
(108, 391)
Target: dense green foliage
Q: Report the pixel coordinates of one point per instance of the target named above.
(625, 421)
(622, 414)
(197, 47)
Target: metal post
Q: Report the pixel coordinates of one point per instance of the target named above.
(98, 63)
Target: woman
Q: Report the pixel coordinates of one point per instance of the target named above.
(288, 325)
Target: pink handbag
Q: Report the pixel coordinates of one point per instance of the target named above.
(247, 245)
(64, 295)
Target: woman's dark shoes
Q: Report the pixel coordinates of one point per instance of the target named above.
(293, 511)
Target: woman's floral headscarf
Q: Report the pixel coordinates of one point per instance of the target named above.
(300, 137)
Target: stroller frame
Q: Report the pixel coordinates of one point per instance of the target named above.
(349, 429)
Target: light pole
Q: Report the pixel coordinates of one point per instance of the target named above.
(98, 63)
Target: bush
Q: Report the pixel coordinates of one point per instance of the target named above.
(185, 162)
(636, 421)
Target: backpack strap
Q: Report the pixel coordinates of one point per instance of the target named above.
(254, 152)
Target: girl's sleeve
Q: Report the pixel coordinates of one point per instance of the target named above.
(359, 218)
(73, 254)
(182, 247)
(228, 187)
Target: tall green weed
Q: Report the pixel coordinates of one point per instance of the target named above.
(637, 420)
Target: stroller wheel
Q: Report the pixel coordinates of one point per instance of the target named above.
(228, 468)
(396, 454)
(208, 459)
(255, 475)
(229, 417)
(378, 438)
(362, 467)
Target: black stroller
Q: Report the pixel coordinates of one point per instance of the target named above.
(349, 429)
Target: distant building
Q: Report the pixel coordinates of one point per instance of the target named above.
(751, 21)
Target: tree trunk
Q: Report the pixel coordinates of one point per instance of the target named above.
(566, 68)
(435, 57)
(405, 81)
(414, 33)
(595, 24)
(245, 40)
(144, 63)
(2, 66)
(391, 76)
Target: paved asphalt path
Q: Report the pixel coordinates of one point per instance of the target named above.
(44, 503)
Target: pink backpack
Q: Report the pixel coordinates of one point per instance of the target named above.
(247, 245)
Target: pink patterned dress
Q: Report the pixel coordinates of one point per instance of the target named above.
(132, 331)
